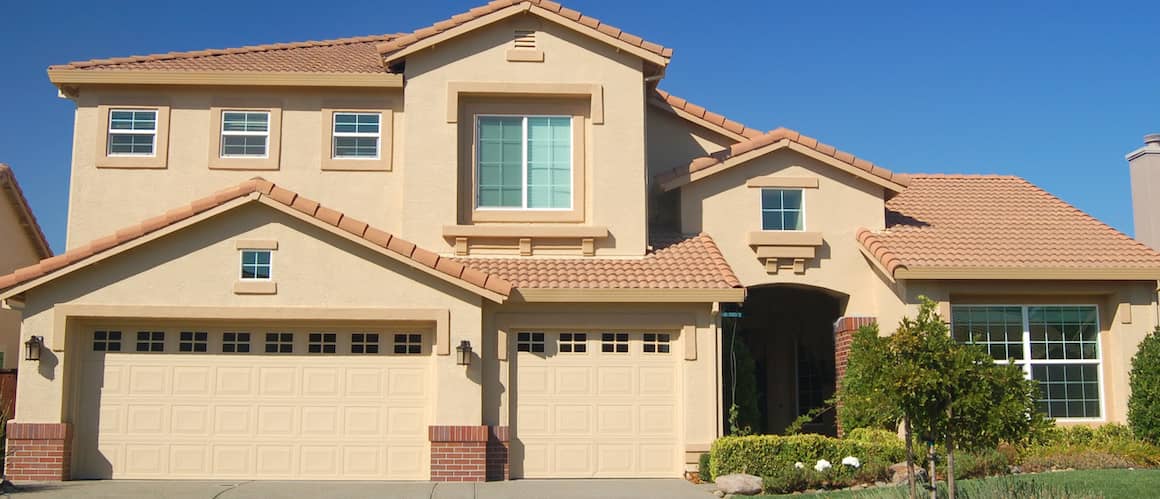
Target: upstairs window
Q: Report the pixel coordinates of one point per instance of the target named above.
(524, 162)
(781, 209)
(256, 265)
(245, 134)
(132, 132)
(356, 135)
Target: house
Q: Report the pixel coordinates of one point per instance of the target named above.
(22, 243)
(492, 248)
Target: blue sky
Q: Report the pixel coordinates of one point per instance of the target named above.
(1055, 92)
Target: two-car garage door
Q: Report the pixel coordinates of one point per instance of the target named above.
(256, 403)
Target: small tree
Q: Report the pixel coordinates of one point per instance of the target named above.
(1144, 380)
(864, 399)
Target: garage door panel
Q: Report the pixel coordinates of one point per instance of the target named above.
(615, 380)
(615, 419)
(277, 382)
(615, 459)
(573, 381)
(235, 381)
(274, 460)
(573, 459)
(405, 422)
(148, 380)
(189, 460)
(232, 420)
(657, 381)
(277, 421)
(190, 420)
(408, 460)
(320, 421)
(231, 460)
(573, 420)
(146, 459)
(364, 383)
(192, 380)
(362, 422)
(657, 457)
(362, 461)
(319, 461)
(145, 419)
(657, 419)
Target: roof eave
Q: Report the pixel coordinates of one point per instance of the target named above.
(74, 77)
(633, 295)
(1027, 273)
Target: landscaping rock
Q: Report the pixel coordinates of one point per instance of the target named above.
(898, 473)
(739, 483)
(719, 493)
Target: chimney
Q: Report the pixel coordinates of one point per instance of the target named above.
(1144, 165)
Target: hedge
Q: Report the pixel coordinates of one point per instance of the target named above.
(766, 455)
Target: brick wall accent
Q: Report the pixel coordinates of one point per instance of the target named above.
(38, 451)
(468, 453)
(844, 329)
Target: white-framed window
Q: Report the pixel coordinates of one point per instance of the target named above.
(132, 132)
(365, 343)
(356, 135)
(106, 341)
(573, 343)
(614, 342)
(257, 264)
(408, 343)
(656, 342)
(1058, 346)
(245, 134)
(150, 341)
(193, 341)
(782, 209)
(235, 342)
(523, 162)
(279, 342)
(322, 343)
(528, 341)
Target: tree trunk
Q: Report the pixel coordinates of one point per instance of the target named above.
(930, 463)
(909, 458)
(950, 457)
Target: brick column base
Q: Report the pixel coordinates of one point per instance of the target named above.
(844, 329)
(38, 451)
(468, 453)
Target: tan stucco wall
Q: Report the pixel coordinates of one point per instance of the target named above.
(197, 267)
(673, 141)
(16, 250)
(615, 149)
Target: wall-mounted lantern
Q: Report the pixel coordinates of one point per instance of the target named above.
(32, 348)
(463, 353)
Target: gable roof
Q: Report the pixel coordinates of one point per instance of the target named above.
(702, 117)
(396, 49)
(781, 138)
(15, 196)
(992, 226)
(287, 201)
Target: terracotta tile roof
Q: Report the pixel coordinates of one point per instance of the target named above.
(588, 22)
(11, 188)
(991, 221)
(674, 262)
(776, 138)
(386, 242)
(342, 55)
(704, 115)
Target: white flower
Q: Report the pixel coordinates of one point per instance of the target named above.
(823, 465)
(852, 461)
(799, 465)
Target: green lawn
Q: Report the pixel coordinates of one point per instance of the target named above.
(1111, 484)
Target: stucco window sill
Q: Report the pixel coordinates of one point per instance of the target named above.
(255, 288)
(523, 236)
(788, 249)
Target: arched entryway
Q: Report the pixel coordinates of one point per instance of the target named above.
(787, 332)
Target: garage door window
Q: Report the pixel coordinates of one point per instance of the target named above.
(614, 342)
(279, 342)
(409, 344)
(365, 343)
(193, 341)
(573, 342)
(323, 343)
(150, 341)
(106, 341)
(530, 342)
(234, 342)
(656, 343)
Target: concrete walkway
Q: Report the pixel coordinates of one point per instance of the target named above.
(224, 489)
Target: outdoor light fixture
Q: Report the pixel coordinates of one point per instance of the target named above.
(32, 348)
(463, 352)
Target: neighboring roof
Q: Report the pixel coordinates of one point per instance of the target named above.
(277, 197)
(968, 226)
(702, 117)
(674, 262)
(781, 138)
(11, 189)
(397, 48)
(341, 55)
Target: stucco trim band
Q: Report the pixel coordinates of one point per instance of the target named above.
(593, 91)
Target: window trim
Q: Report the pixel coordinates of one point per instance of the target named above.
(1026, 363)
(523, 163)
(273, 137)
(159, 158)
(801, 211)
(386, 136)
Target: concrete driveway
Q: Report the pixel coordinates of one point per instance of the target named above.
(224, 489)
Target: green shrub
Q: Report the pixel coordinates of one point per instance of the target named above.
(1144, 381)
(874, 436)
(978, 464)
(862, 396)
(703, 470)
(1082, 447)
(1063, 457)
(765, 455)
(788, 479)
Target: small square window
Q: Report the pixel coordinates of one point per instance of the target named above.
(408, 343)
(614, 342)
(322, 343)
(781, 209)
(365, 343)
(279, 342)
(106, 341)
(656, 342)
(150, 341)
(235, 342)
(530, 342)
(573, 342)
(256, 264)
(193, 341)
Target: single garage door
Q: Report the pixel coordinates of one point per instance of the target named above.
(254, 403)
(597, 404)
